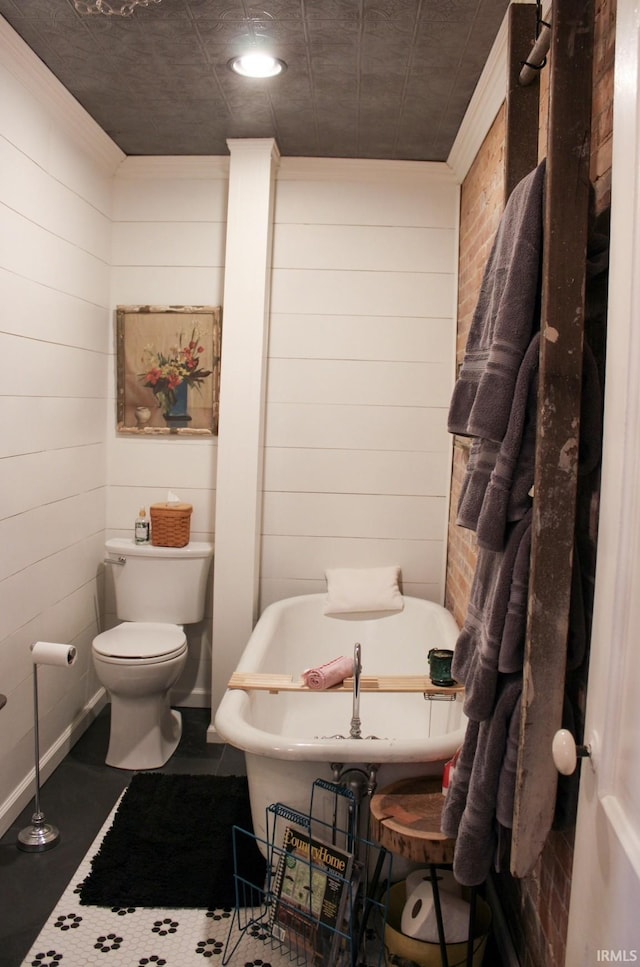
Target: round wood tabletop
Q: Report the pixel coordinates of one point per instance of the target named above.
(405, 819)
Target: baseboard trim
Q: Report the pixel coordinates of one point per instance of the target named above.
(502, 936)
(194, 698)
(49, 760)
(213, 735)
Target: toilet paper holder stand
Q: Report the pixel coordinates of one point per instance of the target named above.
(40, 835)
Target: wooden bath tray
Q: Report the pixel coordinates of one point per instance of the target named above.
(266, 682)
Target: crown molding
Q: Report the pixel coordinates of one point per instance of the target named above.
(259, 146)
(61, 107)
(289, 169)
(486, 101)
(202, 167)
(362, 169)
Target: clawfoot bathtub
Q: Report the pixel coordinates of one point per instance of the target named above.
(291, 737)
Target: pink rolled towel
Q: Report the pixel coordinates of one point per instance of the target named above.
(331, 673)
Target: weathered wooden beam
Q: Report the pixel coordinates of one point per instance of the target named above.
(522, 103)
(563, 284)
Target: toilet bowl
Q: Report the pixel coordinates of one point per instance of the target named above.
(157, 590)
(138, 663)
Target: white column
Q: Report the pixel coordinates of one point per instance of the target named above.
(245, 328)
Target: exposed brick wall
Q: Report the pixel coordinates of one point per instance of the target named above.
(536, 907)
(481, 203)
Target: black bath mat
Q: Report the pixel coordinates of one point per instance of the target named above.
(171, 845)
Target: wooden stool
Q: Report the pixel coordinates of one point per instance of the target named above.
(405, 819)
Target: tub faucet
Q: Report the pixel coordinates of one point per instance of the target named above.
(355, 731)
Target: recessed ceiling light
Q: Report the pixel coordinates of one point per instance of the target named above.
(257, 65)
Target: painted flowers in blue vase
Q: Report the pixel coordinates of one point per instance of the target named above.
(170, 373)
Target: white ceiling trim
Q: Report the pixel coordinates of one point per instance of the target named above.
(486, 101)
(198, 167)
(362, 169)
(20, 61)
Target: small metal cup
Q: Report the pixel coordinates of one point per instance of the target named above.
(440, 666)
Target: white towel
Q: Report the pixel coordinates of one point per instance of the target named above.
(352, 590)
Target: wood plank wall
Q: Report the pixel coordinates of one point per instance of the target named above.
(360, 372)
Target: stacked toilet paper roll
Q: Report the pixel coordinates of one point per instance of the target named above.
(53, 653)
(419, 915)
(446, 881)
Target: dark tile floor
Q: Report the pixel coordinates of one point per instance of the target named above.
(77, 799)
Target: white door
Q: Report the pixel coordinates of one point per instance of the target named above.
(604, 919)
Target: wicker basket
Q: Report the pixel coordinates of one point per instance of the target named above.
(170, 524)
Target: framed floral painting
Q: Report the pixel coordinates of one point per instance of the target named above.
(168, 362)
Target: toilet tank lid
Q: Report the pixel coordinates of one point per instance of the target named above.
(126, 546)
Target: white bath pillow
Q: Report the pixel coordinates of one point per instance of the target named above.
(363, 589)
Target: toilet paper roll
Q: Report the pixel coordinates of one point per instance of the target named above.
(419, 916)
(446, 881)
(52, 653)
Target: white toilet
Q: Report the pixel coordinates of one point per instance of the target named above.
(157, 590)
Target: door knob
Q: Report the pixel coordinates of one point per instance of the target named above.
(566, 753)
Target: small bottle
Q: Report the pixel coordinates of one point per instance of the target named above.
(141, 529)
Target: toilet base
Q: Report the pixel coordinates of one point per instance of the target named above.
(141, 738)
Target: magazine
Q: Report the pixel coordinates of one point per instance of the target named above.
(311, 891)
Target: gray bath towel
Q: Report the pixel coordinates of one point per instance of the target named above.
(508, 493)
(483, 455)
(499, 477)
(505, 797)
(511, 654)
(505, 318)
(497, 488)
(496, 621)
(456, 799)
(476, 827)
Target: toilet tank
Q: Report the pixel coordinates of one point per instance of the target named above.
(167, 584)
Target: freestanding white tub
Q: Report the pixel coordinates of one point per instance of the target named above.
(291, 738)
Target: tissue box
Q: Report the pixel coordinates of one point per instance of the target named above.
(170, 524)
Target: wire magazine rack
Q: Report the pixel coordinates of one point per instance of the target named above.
(323, 901)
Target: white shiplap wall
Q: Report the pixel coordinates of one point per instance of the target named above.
(169, 228)
(55, 199)
(360, 370)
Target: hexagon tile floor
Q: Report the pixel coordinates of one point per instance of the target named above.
(83, 936)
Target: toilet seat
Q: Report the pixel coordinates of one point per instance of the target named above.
(140, 642)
